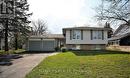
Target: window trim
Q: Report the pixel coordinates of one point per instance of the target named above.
(91, 34)
(102, 34)
(81, 34)
(70, 34)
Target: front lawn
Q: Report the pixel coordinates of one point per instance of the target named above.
(89, 64)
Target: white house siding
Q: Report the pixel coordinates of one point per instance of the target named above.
(86, 38)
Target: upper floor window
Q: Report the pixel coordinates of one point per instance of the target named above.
(76, 34)
(97, 35)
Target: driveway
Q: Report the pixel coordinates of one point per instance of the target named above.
(22, 66)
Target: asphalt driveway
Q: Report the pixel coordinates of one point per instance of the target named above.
(23, 65)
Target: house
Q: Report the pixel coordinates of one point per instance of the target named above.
(121, 36)
(47, 42)
(86, 38)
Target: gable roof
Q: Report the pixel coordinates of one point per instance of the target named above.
(119, 37)
(121, 32)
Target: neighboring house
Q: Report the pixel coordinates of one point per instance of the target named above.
(86, 38)
(45, 43)
(121, 36)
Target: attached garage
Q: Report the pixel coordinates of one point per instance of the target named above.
(43, 44)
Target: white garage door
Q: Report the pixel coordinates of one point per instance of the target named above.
(42, 45)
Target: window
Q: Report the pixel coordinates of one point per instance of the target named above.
(76, 34)
(97, 35)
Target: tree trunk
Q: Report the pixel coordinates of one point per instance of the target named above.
(0, 44)
(6, 35)
(16, 41)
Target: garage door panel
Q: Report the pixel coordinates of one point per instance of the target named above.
(48, 46)
(35, 45)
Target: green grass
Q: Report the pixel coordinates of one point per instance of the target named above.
(89, 64)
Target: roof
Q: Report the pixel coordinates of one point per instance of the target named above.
(119, 37)
(49, 36)
(88, 28)
(122, 31)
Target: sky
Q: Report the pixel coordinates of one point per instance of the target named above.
(60, 14)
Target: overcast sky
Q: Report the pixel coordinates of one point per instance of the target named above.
(64, 13)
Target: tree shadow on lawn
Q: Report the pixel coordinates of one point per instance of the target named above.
(97, 52)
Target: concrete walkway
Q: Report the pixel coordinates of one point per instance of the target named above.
(22, 66)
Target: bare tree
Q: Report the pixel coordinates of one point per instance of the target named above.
(39, 27)
(114, 10)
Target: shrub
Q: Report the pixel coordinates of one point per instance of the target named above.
(63, 49)
(57, 48)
